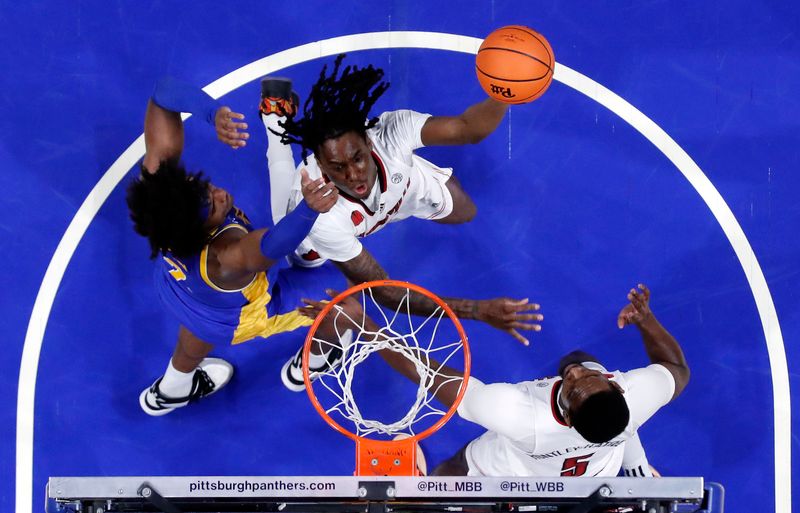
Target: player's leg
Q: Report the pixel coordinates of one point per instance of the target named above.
(277, 101)
(464, 208)
(456, 465)
(439, 195)
(291, 287)
(190, 375)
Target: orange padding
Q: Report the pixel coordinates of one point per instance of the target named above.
(386, 457)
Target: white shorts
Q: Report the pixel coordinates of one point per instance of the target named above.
(430, 198)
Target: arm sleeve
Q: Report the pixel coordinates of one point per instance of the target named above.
(290, 231)
(648, 390)
(634, 459)
(401, 130)
(178, 96)
(498, 407)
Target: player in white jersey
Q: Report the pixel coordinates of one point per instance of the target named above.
(380, 181)
(581, 423)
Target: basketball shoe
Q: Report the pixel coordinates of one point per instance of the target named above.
(278, 98)
(292, 371)
(211, 375)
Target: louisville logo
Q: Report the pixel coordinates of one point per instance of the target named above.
(357, 217)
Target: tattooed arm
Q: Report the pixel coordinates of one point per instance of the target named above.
(502, 313)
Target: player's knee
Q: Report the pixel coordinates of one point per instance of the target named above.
(468, 210)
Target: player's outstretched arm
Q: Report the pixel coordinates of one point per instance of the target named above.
(506, 314)
(163, 128)
(660, 345)
(259, 249)
(470, 127)
(163, 136)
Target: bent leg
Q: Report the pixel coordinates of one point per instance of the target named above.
(189, 351)
(464, 208)
(281, 167)
(189, 376)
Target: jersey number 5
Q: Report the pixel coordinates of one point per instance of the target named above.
(576, 466)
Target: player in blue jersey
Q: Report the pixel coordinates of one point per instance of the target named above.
(217, 274)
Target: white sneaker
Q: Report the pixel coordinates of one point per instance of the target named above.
(211, 375)
(292, 371)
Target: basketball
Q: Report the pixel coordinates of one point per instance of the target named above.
(515, 64)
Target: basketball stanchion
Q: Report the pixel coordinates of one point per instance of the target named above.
(418, 340)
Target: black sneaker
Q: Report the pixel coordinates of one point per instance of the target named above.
(278, 98)
(292, 371)
(209, 377)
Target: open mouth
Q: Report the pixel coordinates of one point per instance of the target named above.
(360, 189)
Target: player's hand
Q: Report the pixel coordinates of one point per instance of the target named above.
(638, 310)
(230, 129)
(510, 315)
(319, 196)
(350, 306)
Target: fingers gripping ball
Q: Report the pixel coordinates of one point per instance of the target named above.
(515, 64)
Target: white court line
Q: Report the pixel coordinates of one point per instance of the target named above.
(29, 364)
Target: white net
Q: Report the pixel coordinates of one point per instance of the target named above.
(414, 338)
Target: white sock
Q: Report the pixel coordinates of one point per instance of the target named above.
(281, 167)
(176, 383)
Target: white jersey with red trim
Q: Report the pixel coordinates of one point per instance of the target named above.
(528, 436)
(407, 185)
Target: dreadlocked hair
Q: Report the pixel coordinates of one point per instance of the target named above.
(335, 105)
(165, 207)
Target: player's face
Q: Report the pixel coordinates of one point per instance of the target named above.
(581, 383)
(347, 161)
(219, 204)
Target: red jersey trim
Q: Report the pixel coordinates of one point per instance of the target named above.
(554, 403)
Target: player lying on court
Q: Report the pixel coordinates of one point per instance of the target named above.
(380, 180)
(577, 424)
(215, 272)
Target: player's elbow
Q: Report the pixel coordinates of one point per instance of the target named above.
(681, 373)
(474, 136)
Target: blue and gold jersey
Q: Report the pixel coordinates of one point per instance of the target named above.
(264, 307)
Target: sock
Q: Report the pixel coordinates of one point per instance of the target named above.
(281, 167)
(176, 383)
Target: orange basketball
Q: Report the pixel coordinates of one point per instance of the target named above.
(515, 64)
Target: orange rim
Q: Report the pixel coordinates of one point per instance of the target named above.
(385, 283)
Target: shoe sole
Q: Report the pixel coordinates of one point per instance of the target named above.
(276, 87)
(208, 361)
(149, 409)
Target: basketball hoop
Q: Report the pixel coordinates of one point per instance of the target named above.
(413, 338)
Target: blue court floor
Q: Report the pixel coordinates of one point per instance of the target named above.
(666, 152)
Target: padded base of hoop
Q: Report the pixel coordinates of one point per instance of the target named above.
(386, 457)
